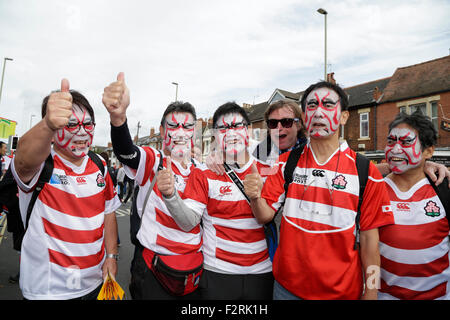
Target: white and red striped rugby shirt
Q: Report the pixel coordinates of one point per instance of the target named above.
(63, 249)
(233, 241)
(315, 258)
(159, 232)
(415, 250)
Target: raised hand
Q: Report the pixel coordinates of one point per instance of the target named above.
(253, 184)
(116, 99)
(165, 180)
(59, 107)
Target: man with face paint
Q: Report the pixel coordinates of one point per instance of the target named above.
(316, 258)
(417, 245)
(158, 232)
(237, 264)
(71, 241)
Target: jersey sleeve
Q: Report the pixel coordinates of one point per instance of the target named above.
(196, 192)
(148, 164)
(273, 189)
(112, 202)
(376, 210)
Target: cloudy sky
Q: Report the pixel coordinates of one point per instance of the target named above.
(217, 51)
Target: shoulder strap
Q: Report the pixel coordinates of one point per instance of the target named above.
(291, 164)
(44, 177)
(443, 192)
(362, 166)
(96, 159)
(232, 175)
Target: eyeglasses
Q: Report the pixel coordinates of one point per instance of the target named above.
(285, 122)
(74, 127)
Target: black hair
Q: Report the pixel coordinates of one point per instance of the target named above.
(77, 98)
(179, 106)
(324, 84)
(418, 121)
(230, 107)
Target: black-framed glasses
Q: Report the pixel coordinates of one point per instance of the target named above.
(285, 122)
(74, 127)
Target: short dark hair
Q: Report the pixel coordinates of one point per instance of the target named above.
(179, 106)
(230, 107)
(324, 84)
(77, 98)
(418, 121)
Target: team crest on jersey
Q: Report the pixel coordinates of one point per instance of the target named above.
(100, 181)
(339, 182)
(432, 209)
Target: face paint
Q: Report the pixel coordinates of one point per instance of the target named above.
(322, 113)
(232, 134)
(77, 136)
(178, 134)
(403, 150)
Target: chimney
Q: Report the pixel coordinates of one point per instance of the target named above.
(330, 78)
(376, 94)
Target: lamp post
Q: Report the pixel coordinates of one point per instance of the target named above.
(3, 75)
(176, 91)
(325, 13)
(31, 119)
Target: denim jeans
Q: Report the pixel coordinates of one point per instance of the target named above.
(280, 293)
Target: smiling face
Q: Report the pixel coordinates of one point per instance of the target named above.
(403, 149)
(232, 135)
(284, 138)
(178, 133)
(322, 115)
(75, 139)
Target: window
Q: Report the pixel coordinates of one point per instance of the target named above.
(364, 125)
(428, 106)
(402, 109)
(421, 106)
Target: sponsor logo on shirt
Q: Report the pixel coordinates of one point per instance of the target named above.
(403, 206)
(432, 209)
(299, 178)
(224, 190)
(81, 180)
(59, 179)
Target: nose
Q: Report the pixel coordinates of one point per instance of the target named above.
(397, 148)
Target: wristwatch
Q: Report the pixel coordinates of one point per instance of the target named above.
(112, 255)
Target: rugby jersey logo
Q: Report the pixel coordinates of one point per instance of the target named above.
(225, 190)
(339, 182)
(432, 209)
(403, 206)
(100, 180)
(58, 179)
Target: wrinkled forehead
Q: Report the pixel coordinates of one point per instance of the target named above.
(179, 118)
(79, 113)
(323, 94)
(230, 118)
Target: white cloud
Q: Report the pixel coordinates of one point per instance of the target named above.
(215, 50)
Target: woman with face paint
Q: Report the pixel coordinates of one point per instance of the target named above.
(237, 264)
(157, 233)
(73, 224)
(417, 245)
(315, 258)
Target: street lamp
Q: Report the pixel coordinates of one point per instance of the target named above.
(176, 91)
(3, 75)
(325, 13)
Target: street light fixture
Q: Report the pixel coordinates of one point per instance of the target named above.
(325, 13)
(3, 75)
(176, 91)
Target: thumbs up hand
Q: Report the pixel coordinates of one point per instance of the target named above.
(165, 180)
(253, 184)
(116, 99)
(59, 107)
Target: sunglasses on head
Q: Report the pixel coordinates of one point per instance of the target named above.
(285, 122)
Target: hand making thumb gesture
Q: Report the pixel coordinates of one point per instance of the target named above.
(253, 183)
(116, 99)
(59, 107)
(165, 179)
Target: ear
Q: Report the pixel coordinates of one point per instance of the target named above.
(344, 117)
(428, 152)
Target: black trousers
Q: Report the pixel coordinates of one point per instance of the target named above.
(219, 286)
(144, 285)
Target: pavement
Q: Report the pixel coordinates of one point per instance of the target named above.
(9, 258)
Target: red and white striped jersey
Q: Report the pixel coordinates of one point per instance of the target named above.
(315, 258)
(415, 250)
(159, 232)
(233, 241)
(63, 249)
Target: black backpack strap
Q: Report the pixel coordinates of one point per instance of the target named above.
(443, 192)
(362, 166)
(96, 159)
(44, 177)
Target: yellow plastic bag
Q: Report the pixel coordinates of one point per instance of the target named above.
(110, 290)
